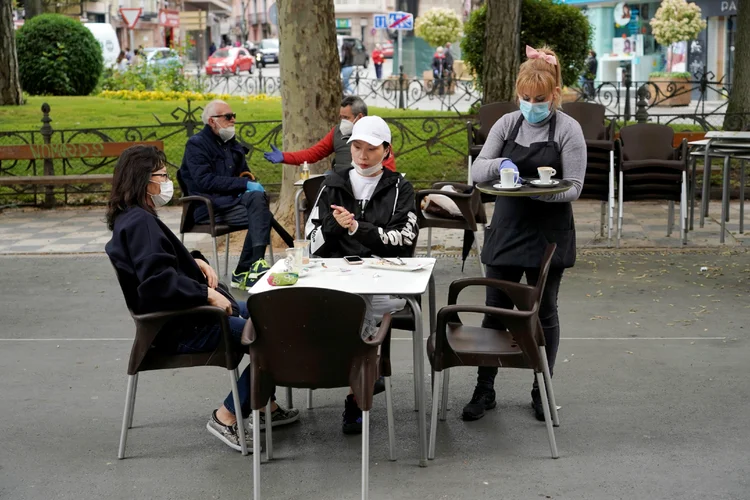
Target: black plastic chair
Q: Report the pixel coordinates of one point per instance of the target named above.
(145, 357)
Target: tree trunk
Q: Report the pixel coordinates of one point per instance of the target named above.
(739, 99)
(311, 85)
(31, 8)
(501, 55)
(10, 84)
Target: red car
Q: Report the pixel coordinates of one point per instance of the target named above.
(387, 49)
(230, 60)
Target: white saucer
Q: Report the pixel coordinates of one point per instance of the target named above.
(500, 187)
(539, 183)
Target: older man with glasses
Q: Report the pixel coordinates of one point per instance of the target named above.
(214, 166)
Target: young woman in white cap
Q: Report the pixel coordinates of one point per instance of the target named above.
(365, 210)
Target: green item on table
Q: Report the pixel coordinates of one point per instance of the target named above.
(282, 279)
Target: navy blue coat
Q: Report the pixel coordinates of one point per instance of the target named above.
(211, 168)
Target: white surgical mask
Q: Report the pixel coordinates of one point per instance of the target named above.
(167, 190)
(369, 171)
(346, 128)
(226, 133)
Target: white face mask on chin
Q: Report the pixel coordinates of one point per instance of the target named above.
(369, 171)
(167, 190)
(226, 133)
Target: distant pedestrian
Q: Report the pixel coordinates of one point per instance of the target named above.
(128, 54)
(137, 58)
(122, 62)
(212, 49)
(448, 65)
(347, 66)
(438, 67)
(591, 67)
(377, 60)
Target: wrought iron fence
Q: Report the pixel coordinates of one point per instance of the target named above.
(427, 149)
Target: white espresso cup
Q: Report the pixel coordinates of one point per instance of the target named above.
(508, 177)
(545, 174)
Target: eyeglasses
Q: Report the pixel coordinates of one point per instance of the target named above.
(226, 116)
(166, 176)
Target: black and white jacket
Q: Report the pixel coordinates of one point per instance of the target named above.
(387, 223)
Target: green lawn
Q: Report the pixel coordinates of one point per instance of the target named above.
(427, 149)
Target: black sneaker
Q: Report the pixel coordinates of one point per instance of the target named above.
(483, 399)
(352, 417)
(536, 404)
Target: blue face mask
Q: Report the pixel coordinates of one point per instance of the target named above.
(534, 113)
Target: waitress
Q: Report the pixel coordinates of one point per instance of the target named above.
(537, 135)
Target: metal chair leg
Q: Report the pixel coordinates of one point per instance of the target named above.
(234, 377)
(436, 379)
(182, 238)
(289, 400)
(269, 436)
(226, 260)
(547, 416)
(444, 400)
(309, 399)
(742, 197)
(256, 454)
(550, 392)
(684, 209)
(365, 455)
(693, 189)
(391, 423)
(429, 241)
(270, 254)
(611, 197)
(416, 388)
(132, 401)
(126, 416)
(216, 255)
(619, 209)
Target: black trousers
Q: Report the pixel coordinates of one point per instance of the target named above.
(547, 312)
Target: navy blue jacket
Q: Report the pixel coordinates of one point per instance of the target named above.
(159, 273)
(211, 168)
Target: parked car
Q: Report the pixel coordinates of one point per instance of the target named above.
(387, 49)
(361, 57)
(268, 51)
(230, 60)
(161, 56)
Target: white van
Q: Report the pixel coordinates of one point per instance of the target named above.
(107, 38)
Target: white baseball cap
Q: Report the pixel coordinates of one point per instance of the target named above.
(371, 129)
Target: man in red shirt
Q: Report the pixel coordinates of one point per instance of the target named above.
(335, 142)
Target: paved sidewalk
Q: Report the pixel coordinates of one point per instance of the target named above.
(83, 230)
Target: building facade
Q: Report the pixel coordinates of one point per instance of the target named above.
(623, 41)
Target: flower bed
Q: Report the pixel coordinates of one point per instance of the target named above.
(158, 95)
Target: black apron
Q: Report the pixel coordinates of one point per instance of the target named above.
(522, 227)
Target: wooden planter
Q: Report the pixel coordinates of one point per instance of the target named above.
(681, 90)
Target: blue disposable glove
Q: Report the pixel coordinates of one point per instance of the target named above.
(508, 164)
(254, 186)
(274, 156)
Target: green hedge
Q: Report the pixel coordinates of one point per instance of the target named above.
(58, 56)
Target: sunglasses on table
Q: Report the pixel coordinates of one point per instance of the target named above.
(226, 116)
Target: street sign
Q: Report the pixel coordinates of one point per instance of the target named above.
(380, 21)
(273, 14)
(131, 16)
(400, 21)
(169, 18)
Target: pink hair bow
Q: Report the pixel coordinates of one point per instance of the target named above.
(532, 53)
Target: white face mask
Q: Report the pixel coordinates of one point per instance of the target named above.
(346, 128)
(369, 171)
(226, 133)
(167, 190)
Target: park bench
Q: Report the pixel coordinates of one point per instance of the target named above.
(63, 151)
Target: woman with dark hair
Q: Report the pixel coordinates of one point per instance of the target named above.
(164, 276)
(122, 61)
(347, 65)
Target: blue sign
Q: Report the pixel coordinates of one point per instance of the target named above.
(400, 21)
(380, 22)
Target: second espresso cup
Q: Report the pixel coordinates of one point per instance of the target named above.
(545, 174)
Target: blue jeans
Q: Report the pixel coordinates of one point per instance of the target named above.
(206, 339)
(251, 211)
(346, 74)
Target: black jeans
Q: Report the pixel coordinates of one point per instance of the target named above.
(252, 211)
(547, 312)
